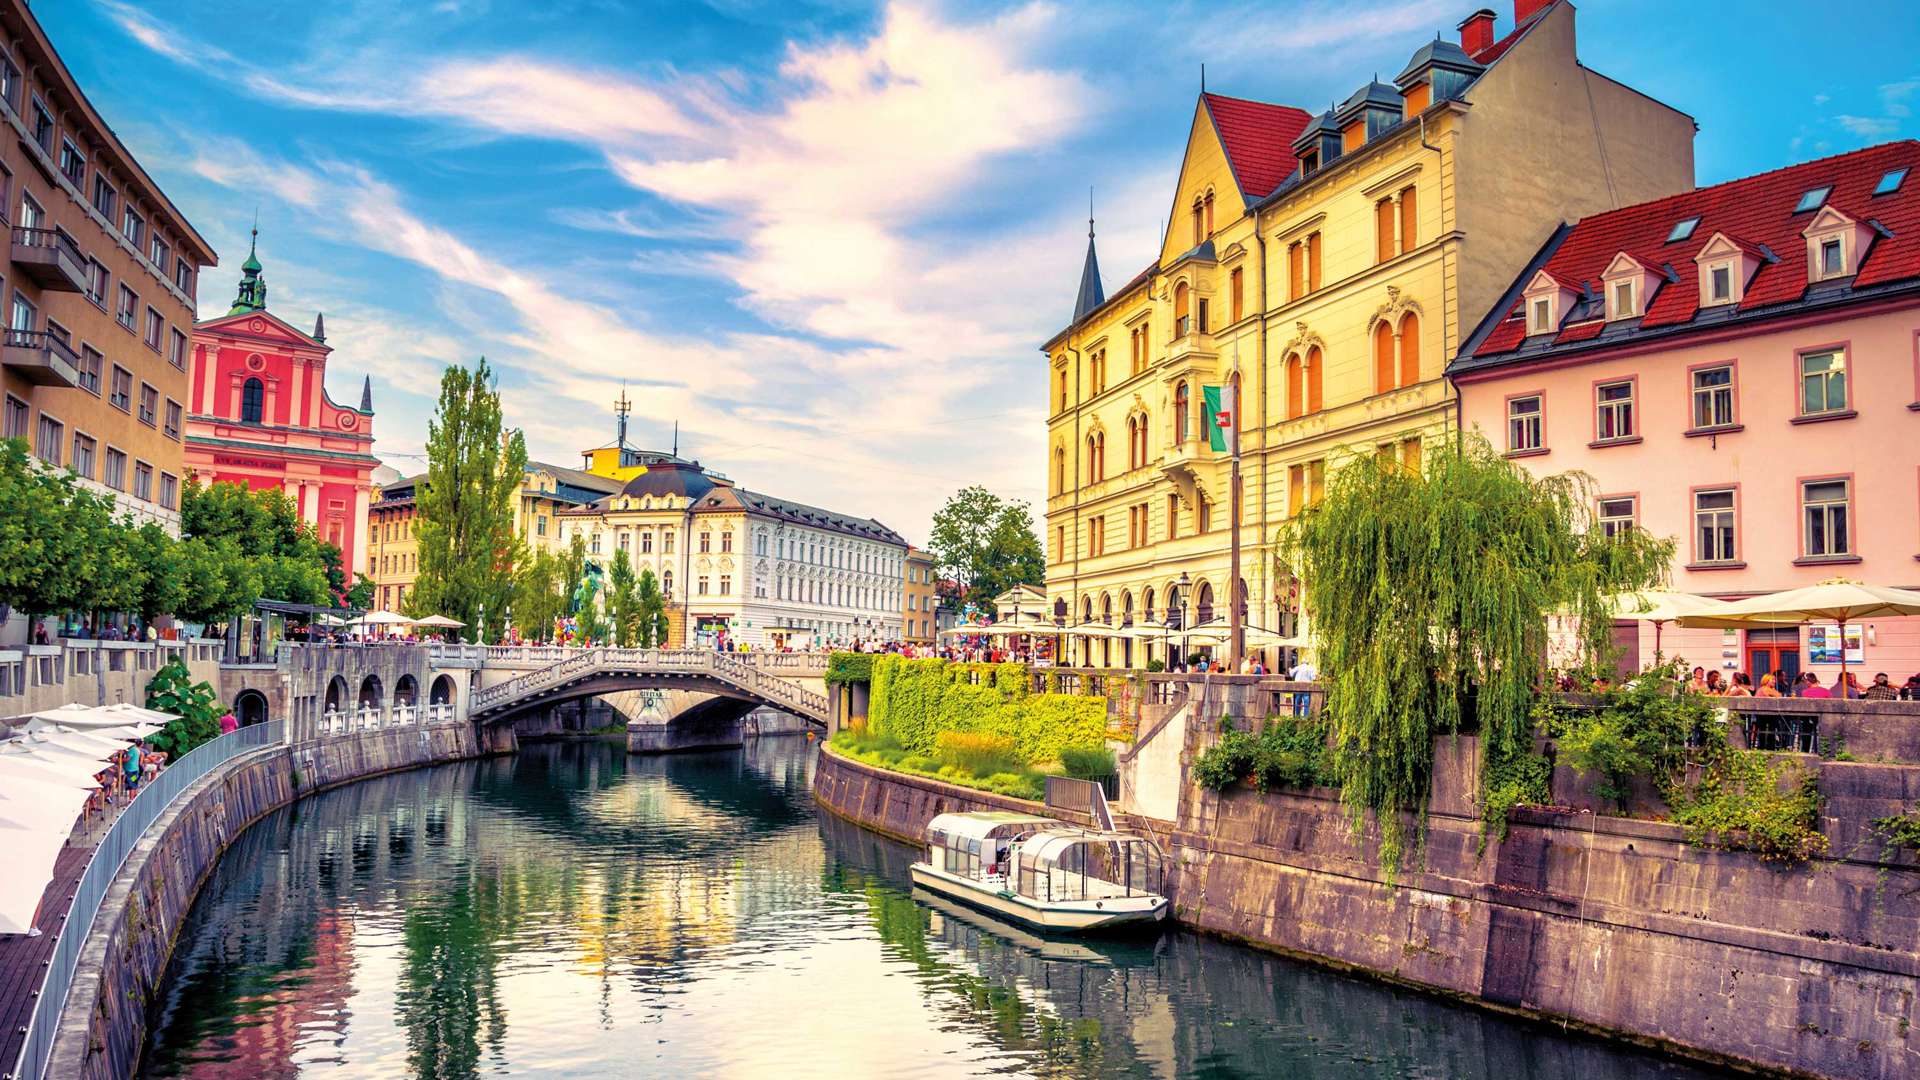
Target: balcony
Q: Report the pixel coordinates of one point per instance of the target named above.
(40, 358)
(51, 259)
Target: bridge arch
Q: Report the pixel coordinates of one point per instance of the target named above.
(406, 690)
(337, 694)
(371, 692)
(442, 690)
(596, 672)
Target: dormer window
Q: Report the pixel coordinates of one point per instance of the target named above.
(1623, 302)
(1813, 200)
(1683, 229)
(1719, 284)
(1540, 316)
(1835, 245)
(1547, 302)
(1891, 182)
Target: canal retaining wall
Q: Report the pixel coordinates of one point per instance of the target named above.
(1614, 925)
(105, 1021)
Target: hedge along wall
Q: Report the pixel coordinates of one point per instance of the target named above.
(915, 700)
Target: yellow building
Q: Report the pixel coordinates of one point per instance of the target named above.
(1325, 267)
(917, 622)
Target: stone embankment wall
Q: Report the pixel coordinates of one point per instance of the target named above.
(1611, 924)
(121, 965)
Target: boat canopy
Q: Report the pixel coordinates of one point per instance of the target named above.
(945, 829)
(1082, 864)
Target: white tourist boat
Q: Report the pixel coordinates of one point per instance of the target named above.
(1044, 873)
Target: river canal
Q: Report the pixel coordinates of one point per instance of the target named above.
(576, 912)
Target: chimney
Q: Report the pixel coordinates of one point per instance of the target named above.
(1476, 33)
(1526, 9)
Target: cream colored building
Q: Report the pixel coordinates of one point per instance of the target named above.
(1325, 266)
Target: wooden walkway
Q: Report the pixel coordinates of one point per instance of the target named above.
(23, 958)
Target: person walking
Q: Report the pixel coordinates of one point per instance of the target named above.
(229, 723)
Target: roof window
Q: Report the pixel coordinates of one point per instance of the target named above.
(1890, 183)
(1683, 229)
(1813, 200)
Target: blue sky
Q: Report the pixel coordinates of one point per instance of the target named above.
(827, 238)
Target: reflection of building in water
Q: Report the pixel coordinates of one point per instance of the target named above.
(277, 1030)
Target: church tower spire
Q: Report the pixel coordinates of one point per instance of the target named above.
(253, 284)
(1092, 295)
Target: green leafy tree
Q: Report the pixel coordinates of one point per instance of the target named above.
(194, 705)
(162, 563)
(623, 602)
(986, 544)
(56, 536)
(361, 595)
(537, 596)
(245, 545)
(1429, 594)
(650, 610)
(465, 524)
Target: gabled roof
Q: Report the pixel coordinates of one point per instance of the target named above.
(1258, 138)
(236, 322)
(1757, 214)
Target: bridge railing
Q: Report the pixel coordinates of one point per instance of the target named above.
(370, 718)
(726, 667)
(154, 797)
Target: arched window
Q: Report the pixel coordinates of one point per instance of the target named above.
(1086, 609)
(1296, 388)
(1409, 349)
(1143, 440)
(1100, 454)
(1060, 609)
(1133, 444)
(1314, 373)
(1063, 390)
(1182, 316)
(1199, 221)
(666, 583)
(252, 401)
(1146, 603)
(1203, 604)
(1106, 608)
(1209, 209)
(1126, 609)
(1183, 409)
(1383, 369)
(1060, 470)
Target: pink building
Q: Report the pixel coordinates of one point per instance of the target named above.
(1738, 368)
(261, 416)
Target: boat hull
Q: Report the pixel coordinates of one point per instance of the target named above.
(1074, 917)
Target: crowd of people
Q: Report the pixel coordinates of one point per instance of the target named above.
(1775, 684)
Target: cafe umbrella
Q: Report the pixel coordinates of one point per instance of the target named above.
(1837, 600)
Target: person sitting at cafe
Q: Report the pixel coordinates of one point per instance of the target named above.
(1881, 690)
(1810, 686)
(1910, 691)
(1769, 686)
(1742, 685)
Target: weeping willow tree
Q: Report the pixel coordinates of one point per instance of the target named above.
(1430, 593)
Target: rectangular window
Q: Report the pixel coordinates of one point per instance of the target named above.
(1823, 382)
(52, 442)
(1825, 506)
(540, 525)
(122, 394)
(706, 542)
(1616, 515)
(115, 474)
(1713, 526)
(133, 227)
(16, 419)
(1384, 225)
(1713, 397)
(1173, 517)
(726, 585)
(726, 541)
(169, 491)
(1540, 316)
(159, 253)
(1832, 258)
(129, 303)
(73, 164)
(1296, 271)
(1237, 289)
(646, 543)
(1613, 405)
(83, 455)
(1313, 261)
(1720, 286)
(666, 543)
(155, 327)
(24, 315)
(1201, 308)
(42, 125)
(104, 197)
(702, 582)
(97, 282)
(149, 404)
(143, 481)
(177, 348)
(1409, 219)
(1524, 429)
(9, 84)
(91, 365)
(183, 276)
(1623, 300)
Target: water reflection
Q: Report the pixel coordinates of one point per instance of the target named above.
(577, 912)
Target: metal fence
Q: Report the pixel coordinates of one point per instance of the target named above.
(121, 838)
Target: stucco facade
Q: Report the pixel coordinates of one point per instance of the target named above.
(260, 415)
(1325, 266)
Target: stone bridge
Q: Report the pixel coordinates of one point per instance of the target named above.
(672, 699)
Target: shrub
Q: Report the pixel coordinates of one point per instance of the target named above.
(1287, 752)
(1087, 762)
(916, 700)
(194, 704)
(1750, 800)
(979, 754)
(849, 667)
(1642, 730)
(1023, 785)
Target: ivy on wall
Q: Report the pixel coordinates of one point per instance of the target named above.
(914, 701)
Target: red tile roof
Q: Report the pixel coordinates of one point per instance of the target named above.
(1499, 48)
(1258, 138)
(1756, 210)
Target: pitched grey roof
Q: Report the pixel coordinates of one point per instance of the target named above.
(1091, 295)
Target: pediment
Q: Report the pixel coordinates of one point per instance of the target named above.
(1624, 264)
(1719, 246)
(1543, 282)
(260, 326)
(1828, 219)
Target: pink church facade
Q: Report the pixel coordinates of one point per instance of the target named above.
(260, 415)
(1738, 369)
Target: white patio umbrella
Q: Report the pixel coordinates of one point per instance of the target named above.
(67, 772)
(131, 712)
(383, 618)
(32, 805)
(30, 858)
(440, 621)
(1662, 606)
(1837, 600)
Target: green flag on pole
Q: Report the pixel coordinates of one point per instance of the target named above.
(1218, 417)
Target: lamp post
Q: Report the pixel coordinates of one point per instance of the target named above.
(1185, 586)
